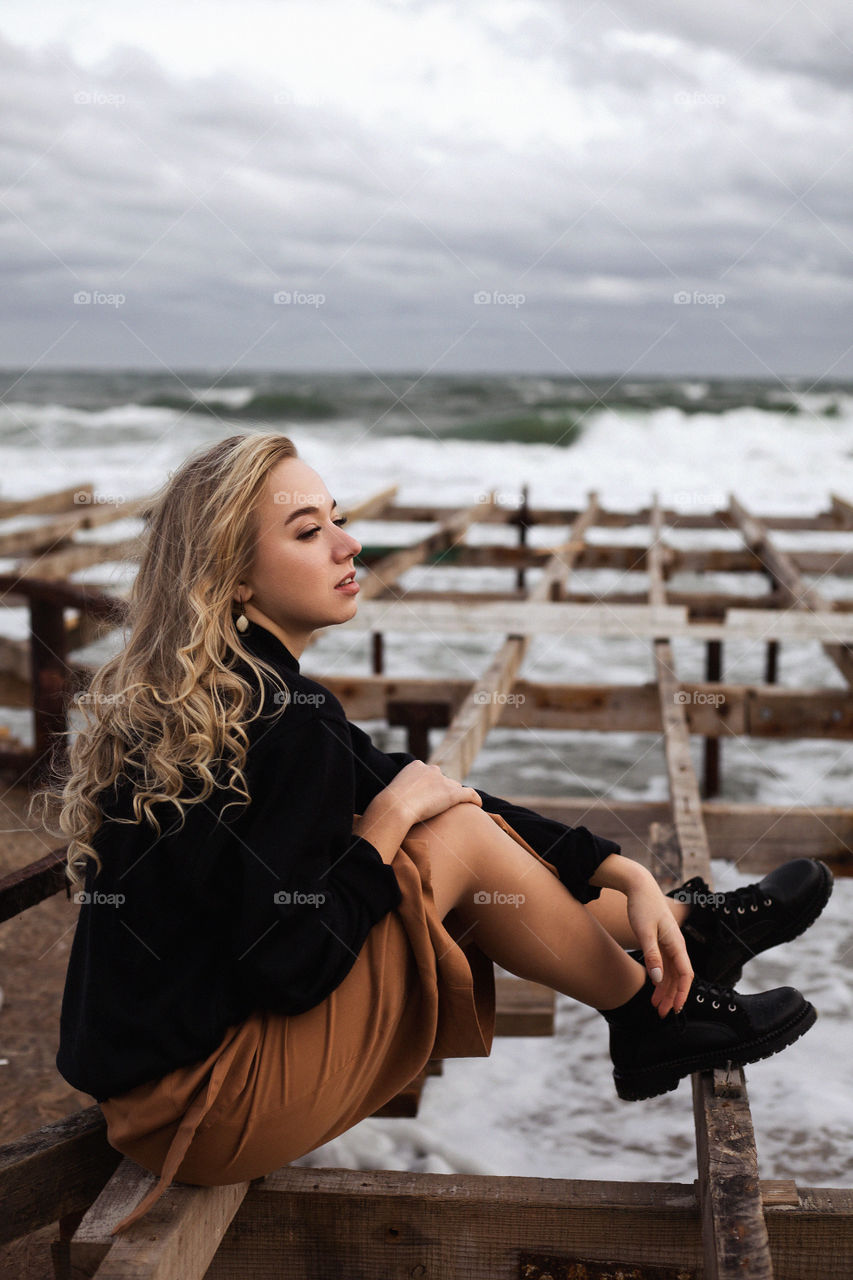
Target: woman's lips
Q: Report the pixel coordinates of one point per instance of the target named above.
(348, 588)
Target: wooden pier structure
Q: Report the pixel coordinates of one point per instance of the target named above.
(383, 1225)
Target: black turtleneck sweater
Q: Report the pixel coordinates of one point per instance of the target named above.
(264, 906)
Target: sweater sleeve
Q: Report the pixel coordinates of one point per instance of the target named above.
(310, 891)
(574, 852)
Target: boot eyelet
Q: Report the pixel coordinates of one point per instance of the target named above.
(715, 1005)
(726, 911)
(768, 902)
(732, 1008)
(700, 999)
(754, 906)
(741, 911)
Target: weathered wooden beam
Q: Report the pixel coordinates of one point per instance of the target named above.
(374, 507)
(28, 885)
(362, 1224)
(55, 1171)
(712, 710)
(365, 1224)
(481, 709)
(47, 536)
(61, 564)
(46, 503)
(175, 1240)
(800, 595)
(734, 1233)
(842, 510)
(639, 622)
(383, 573)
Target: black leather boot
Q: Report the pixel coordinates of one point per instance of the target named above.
(724, 930)
(716, 1027)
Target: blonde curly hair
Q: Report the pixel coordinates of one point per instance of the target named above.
(169, 709)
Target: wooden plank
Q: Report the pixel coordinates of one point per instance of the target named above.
(842, 510)
(45, 503)
(637, 622)
(55, 1171)
(452, 529)
(28, 885)
(46, 536)
(799, 594)
(366, 1224)
(712, 709)
(734, 1233)
(375, 507)
(729, 1187)
(61, 564)
(523, 1008)
(481, 709)
(175, 1240)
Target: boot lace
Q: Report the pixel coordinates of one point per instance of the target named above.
(708, 994)
(748, 898)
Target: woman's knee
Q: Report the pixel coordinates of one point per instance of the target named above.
(456, 842)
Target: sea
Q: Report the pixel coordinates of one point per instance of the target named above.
(536, 1106)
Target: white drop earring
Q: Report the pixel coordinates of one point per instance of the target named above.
(242, 623)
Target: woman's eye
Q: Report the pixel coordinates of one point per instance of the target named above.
(309, 533)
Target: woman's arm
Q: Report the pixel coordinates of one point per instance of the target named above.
(419, 791)
(661, 940)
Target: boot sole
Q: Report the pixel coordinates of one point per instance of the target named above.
(731, 976)
(649, 1082)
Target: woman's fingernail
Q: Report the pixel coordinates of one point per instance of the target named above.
(656, 974)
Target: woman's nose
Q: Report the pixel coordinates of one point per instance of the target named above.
(349, 546)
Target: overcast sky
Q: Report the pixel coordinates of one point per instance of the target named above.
(502, 185)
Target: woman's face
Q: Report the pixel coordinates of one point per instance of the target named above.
(302, 556)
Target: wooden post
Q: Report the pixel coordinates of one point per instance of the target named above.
(711, 746)
(49, 653)
(522, 519)
(377, 652)
(734, 1232)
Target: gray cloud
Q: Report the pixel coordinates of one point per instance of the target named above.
(598, 161)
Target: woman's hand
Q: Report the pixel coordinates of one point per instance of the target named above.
(662, 942)
(655, 928)
(420, 791)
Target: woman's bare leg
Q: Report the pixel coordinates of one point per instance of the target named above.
(610, 910)
(519, 914)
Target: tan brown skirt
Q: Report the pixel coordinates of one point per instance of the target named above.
(278, 1086)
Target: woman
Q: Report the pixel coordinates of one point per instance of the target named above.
(280, 924)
